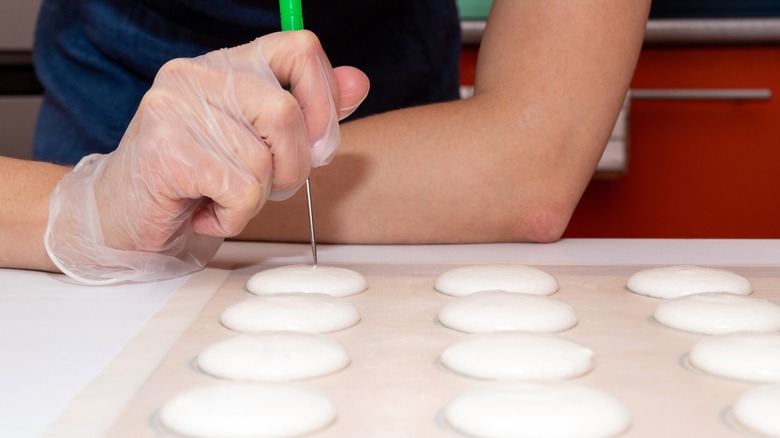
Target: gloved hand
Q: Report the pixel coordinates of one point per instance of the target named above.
(212, 140)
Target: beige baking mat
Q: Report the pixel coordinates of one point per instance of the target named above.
(394, 386)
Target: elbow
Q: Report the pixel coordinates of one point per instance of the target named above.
(546, 227)
(540, 225)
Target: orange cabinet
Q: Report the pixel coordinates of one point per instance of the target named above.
(696, 169)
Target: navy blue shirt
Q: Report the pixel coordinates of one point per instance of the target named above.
(96, 58)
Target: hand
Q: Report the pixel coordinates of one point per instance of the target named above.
(212, 140)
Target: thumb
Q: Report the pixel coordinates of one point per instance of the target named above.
(353, 88)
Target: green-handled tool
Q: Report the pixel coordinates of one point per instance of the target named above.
(292, 15)
(292, 19)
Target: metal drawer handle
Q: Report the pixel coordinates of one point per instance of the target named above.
(702, 94)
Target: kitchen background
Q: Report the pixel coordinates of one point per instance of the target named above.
(699, 167)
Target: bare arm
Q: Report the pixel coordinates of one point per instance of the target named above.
(25, 202)
(509, 164)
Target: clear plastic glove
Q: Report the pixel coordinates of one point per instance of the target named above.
(212, 140)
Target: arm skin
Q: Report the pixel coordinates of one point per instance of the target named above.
(509, 164)
(24, 200)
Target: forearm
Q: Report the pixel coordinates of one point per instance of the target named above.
(509, 164)
(25, 203)
(435, 174)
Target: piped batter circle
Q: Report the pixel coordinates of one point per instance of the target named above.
(536, 409)
(757, 410)
(273, 357)
(714, 313)
(509, 277)
(330, 280)
(498, 310)
(297, 311)
(518, 356)
(675, 281)
(747, 356)
(247, 410)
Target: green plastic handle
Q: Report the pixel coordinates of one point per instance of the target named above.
(292, 14)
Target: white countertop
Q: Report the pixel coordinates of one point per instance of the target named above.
(55, 336)
(567, 251)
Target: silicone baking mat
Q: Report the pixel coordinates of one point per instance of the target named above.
(394, 386)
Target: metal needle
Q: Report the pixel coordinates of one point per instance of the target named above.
(292, 19)
(311, 223)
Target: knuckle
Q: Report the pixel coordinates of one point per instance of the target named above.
(285, 109)
(173, 68)
(156, 99)
(250, 199)
(307, 41)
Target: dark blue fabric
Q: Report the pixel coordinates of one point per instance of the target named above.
(96, 58)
